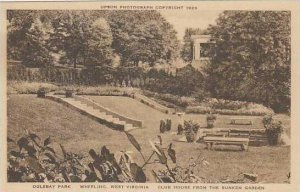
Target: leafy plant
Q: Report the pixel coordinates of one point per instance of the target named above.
(41, 92)
(37, 161)
(69, 93)
(273, 129)
(190, 130)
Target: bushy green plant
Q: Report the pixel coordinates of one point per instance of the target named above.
(190, 129)
(267, 121)
(210, 119)
(224, 104)
(23, 87)
(37, 161)
(69, 93)
(198, 109)
(41, 92)
(249, 109)
(273, 132)
(273, 129)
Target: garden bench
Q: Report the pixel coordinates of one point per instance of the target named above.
(240, 121)
(211, 141)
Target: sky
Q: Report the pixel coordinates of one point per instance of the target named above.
(194, 19)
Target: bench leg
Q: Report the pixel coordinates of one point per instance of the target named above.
(208, 146)
(211, 146)
(245, 147)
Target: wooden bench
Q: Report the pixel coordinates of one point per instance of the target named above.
(240, 121)
(211, 141)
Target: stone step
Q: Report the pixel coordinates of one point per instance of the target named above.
(129, 127)
(109, 117)
(97, 113)
(115, 120)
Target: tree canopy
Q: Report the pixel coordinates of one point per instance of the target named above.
(92, 37)
(143, 36)
(252, 60)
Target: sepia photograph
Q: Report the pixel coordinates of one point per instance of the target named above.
(148, 94)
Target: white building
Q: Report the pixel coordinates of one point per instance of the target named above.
(202, 45)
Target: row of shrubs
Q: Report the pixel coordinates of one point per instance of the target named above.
(191, 105)
(208, 105)
(23, 87)
(224, 104)
(249, 109)
(173, 99)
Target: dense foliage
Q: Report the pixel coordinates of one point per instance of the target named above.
(186, 82)
(143, 36)
(252, 59)
(96, 37)
(273, 129)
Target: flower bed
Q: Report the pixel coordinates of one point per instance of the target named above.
(248, 109)
(173, 99)
(22, 87)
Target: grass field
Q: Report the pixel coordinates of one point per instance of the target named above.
(78, 134)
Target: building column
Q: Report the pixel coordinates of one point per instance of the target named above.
(197, 51)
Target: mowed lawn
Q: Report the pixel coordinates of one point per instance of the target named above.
(79, 134)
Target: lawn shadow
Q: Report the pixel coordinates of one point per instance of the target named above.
(227, 148)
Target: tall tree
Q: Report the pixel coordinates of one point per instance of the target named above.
(69, 35)
(253, 60)
(143, 36)
(99, 42)
(81, 37)
(35, 53)
(19, 23)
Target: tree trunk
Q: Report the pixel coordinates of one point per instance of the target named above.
(75, 62)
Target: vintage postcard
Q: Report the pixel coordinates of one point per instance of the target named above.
(150, 96)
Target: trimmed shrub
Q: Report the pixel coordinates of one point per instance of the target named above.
(179, 129)
(41, 93)
(162, 126)
(168, 124)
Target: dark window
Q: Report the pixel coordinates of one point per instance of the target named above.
(206, 49)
